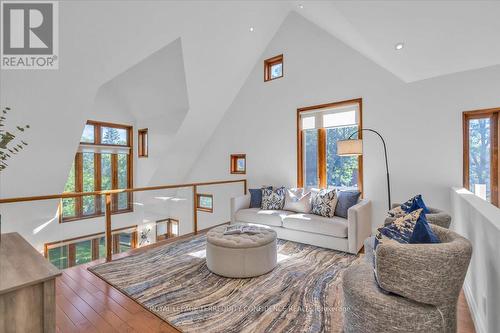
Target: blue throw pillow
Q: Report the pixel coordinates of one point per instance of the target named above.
(422, 233)
(256, 196)
(346, 200)
(415, 203)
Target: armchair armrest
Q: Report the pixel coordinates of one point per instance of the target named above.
(426, 273)
(238, 203)
(359, 225)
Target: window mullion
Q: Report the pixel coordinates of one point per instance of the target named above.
(114, 180)
(79, 183)
(322, 157)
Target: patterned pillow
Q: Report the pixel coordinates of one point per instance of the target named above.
(324, 203)
(273, 199)
(409, 206)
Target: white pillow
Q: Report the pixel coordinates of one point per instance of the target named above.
(297, 201)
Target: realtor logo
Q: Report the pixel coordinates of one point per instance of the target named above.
(29, 38)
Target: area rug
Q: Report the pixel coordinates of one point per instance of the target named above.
(302, 294)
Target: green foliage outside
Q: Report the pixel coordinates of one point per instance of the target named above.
(479, 154)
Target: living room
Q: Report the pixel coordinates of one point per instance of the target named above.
(156, 125)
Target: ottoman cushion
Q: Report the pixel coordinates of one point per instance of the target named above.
(241, 256)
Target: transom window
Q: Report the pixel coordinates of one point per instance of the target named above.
(319, 128)
(103, 162)
(238, 163)
(205, 202)
(273, 68)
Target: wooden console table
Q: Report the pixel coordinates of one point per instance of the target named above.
(27, 287)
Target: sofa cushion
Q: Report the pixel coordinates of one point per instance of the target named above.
(259, 216)
(335, 226)
(346, 200)
(256, 196)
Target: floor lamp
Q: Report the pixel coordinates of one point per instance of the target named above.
(354, 147)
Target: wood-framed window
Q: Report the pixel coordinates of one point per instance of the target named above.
(480, 153)
(167, 228)
(319, 127)
(273, 68)
(205, 202)
(238, 164)
(143, 146)
(76, 251)
(104, 161)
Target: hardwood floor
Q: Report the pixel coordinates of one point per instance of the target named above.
(86, 303)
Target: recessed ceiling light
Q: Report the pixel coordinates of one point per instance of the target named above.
(301, 6)
(399, 46)
(251, 29)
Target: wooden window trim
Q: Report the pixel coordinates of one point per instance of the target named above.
(99, 210)
(170, 233)
(142, 143)
(322, 143)
(234, 163)
(493, 114)
(268, 63)
(204, 209)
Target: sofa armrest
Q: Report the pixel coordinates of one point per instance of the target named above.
(238, 203)
(426, 273)
(359, 225)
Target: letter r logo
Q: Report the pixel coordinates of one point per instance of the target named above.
(27, 28)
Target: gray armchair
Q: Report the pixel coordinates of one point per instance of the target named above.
(423, 283)
(436, 216)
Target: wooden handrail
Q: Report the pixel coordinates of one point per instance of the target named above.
(108, 193)
(138, 189)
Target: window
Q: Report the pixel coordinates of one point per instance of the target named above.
(481, 140)
(319, 128)
(143, 142)
(77, 251)
(167, 228)
(238, 163)
(103, 162)
(273, 68)
(205, 202)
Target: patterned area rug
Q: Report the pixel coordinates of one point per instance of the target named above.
(302, 294)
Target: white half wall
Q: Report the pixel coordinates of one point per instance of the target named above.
(421, 121)
(479, 221)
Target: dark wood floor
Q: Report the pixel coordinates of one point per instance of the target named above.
(85, 303)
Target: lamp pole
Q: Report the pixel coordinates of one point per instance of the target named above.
(385, 154)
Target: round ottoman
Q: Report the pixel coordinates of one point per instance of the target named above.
(242, 255)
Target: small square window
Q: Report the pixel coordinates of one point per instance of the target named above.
(238, 164)
(143, 142)
(273, 68)
(205, 202)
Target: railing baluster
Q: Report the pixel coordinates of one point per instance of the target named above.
(195, 211)
(108, 229)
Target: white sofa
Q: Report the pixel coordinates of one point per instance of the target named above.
(335, 233)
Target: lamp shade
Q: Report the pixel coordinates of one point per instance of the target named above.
(350, 147)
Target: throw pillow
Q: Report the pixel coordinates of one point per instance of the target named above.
(256, 196)
(297, 201)
(324, 203)
(422, 232)
(409, 206)
(273, 199)
(347, 199)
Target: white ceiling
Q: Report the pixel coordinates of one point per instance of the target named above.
(441, 37)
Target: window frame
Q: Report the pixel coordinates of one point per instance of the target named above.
(234, 164)
(78, 165)
(269, 63)
(204, 209)
(322, 137)
(169, 229)
(494, 115)
(142, 143)
(70, 243)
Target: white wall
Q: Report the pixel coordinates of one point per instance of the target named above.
(479, 222)
(421, 122)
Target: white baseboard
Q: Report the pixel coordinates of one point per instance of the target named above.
(477, 318)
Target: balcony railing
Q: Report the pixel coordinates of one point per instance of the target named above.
(109, 214)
